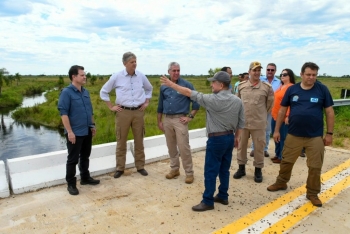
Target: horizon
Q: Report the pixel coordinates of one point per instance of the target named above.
(48, 36)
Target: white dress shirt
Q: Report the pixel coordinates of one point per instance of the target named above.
(131, 90)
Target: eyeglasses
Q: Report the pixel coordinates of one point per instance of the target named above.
(284, 74)
(175, 70)
(270, 69)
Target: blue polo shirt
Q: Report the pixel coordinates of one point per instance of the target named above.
(306, 109)
(77, 106)
(171, 102)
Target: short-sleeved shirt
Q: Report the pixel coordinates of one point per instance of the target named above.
(171, 102)
(77, 106)
(306, 109)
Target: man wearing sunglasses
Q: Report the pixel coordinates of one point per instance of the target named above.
(275, 83)
(175, 108)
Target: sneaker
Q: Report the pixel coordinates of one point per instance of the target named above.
(189, 179)
(72, 189)
(275, 187)
(314, 200)
(172, 174)
(251, 153)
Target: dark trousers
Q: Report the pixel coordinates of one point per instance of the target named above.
(78, 153)
(283, 134)
(218, 158)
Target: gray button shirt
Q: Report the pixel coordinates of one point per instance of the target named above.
(224, 111)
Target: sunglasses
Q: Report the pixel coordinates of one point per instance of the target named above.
(270, 69)
(284, 74)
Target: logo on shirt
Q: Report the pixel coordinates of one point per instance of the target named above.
(295, 98)
(313, 99)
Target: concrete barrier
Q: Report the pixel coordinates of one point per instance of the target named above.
(4, 184)
(44, 170)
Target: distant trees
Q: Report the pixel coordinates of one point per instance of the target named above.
(60, 81)
(3, 79)
(17, 78)
(212, 72)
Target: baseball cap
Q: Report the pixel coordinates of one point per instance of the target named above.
(254, 65)
(221, 76)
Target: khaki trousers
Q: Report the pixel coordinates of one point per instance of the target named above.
(124, 120)
(177, 139)
(314, 148)
(259, 140)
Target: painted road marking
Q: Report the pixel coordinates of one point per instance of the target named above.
(264, 217)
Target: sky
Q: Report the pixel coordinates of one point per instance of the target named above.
(49, 36)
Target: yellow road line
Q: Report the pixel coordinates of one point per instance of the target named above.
(262, 211)
(300, 213)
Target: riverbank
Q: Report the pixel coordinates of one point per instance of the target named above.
(47, 114)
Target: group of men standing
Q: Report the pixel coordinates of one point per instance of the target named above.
(230, 121)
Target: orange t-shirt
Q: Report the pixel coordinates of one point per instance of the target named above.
(279, 94)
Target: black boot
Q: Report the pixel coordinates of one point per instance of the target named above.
(240, 172)
(258, 178)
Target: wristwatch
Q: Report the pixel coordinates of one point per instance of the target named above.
(191, 116)
(329, 133)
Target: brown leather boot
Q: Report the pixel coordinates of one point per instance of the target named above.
(275, 187)
(314, 200)
(172, 174)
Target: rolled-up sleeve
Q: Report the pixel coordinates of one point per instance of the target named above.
(107, 88)
(63, 103)
(147, 87)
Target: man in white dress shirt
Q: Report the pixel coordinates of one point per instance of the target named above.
(133, 91)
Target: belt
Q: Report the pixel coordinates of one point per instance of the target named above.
(220, 133)
(130, 108)
(175, 116)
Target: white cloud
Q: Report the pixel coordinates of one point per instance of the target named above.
(50, 36)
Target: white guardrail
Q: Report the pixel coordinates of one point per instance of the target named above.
(341, 102)
(29, 173)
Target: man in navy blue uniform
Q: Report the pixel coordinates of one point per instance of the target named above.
(306, 100)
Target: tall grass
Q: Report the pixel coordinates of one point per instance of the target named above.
(48, 115)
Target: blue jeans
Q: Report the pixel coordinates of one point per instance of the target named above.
(268, 132)
(218, 156)
(283, 133)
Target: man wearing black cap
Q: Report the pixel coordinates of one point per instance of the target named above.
(225, 119)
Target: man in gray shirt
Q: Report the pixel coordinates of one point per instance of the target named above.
(224, 118)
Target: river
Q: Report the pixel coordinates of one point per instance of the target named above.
(19, 139)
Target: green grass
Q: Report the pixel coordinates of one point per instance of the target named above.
(48, 115)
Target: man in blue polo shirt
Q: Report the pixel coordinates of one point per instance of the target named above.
(175, 108)
(77, 117)
(306, 100)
